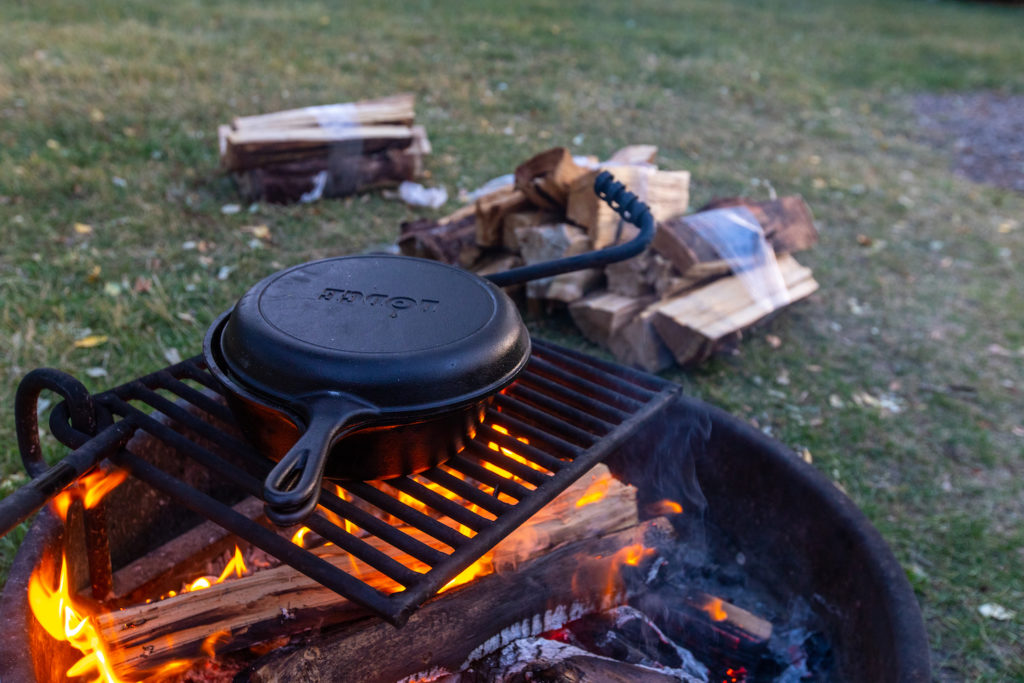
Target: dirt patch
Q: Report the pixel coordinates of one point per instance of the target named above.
(984, 132)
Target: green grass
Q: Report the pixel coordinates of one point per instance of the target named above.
(810, 96)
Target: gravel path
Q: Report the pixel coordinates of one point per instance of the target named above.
(984, 132)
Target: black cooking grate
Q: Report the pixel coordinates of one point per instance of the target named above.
(564, 414)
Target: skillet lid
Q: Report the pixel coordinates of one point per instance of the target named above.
(402, 333)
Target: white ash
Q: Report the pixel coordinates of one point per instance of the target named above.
(539, 623)
(693, 668)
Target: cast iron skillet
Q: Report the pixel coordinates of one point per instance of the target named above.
(391, 358)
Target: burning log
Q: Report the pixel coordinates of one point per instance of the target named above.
(446, 633)
(268, 603)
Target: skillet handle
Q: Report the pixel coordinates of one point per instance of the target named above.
(292, 489)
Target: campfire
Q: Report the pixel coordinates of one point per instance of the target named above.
(632, 571)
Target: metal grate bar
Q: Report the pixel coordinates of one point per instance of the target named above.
(485, 476)
(443, 505)
(498, 459)
(506, 406)
(465, 490)
(587, 363)
(363, 551)
(572, 415)
(381, 529)
(585, 370)
(574, 398)
(409, 515)
(591, 389)
(309, 564)
(536, 438)
(197, 398)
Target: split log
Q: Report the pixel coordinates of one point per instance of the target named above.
(395, 110)
(281, 600)
(667, 193)
(638, 344)
(262, 147)
(473, 620)
(787, 224)
(546, 178)
(547, 243)
(529, 218)
(603, 314)
(491, 210)
(634, 154)
(694, 323)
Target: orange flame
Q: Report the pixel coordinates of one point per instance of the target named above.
(630, 555)
(595, 492)
(90, 489)
(57, 613)
(714, 607)
(298, 536)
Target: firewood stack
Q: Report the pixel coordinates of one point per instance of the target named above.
(706, 277)
(333, 150)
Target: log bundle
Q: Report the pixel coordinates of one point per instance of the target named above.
(707, 276)
(333, 150)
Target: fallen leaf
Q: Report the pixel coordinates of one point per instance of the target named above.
(142, 285)
(91, 341)
(96, 116)
(83, 229)
(112, 289)
(224, 272)
(229, 209)
(172, 356)
(261, 232)
(835, 401)
(187, 317)
(96, 372)
(864, 240)
(773, 341)
(94, 274)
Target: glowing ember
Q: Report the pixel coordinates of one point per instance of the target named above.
(715, 609)
(665, 507)
(65, 622)
(90, 489)
(595, 492)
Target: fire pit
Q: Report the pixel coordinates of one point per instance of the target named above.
(797, 535)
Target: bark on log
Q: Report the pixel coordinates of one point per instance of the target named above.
(451, 242)
(281, 600)
(472, 620)
(694, 323)
(787, 223)
(327, 175)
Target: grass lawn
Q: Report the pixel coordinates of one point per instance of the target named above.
(902, 376)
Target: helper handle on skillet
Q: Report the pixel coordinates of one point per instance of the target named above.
(627, 205)
(292, 489)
